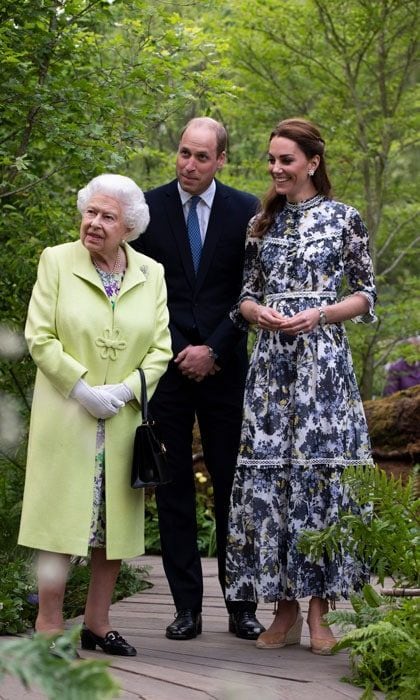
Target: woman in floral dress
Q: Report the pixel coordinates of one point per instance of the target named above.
(303, 417)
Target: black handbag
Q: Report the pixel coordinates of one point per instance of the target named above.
(150, 467)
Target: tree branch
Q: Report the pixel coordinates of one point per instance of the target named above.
(395, 231)
(31, 184)
(400, 257)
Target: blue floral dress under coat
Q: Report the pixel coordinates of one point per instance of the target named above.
(97, 537)
(303, 419)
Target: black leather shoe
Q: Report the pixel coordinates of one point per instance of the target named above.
(112, 643)
(245, 625)
(187, 625)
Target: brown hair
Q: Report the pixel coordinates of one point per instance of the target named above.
(217, 127)
(308, 138)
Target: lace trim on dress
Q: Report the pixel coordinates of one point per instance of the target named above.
(319, 461)
(307, 204)
(300, 294)
(369, 316)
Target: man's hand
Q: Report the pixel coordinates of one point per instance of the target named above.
(195, 362)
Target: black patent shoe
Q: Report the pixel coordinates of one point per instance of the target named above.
(187, 625)
(112, 643)
(245, 625)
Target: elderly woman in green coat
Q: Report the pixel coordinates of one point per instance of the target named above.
(97, 313)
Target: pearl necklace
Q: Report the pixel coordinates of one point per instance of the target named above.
(115, 266)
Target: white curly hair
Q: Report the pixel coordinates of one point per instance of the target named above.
(129, 195)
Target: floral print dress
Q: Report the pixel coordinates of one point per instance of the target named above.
(97, 538)
(303, 419)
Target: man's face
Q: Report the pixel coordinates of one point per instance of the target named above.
(197, 160)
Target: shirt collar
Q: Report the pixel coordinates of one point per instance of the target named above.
(207, 196)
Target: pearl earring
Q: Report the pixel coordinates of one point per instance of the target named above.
(310, 172)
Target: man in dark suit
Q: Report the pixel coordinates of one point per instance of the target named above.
(206, 378)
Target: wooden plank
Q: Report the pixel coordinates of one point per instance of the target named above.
(214, 666)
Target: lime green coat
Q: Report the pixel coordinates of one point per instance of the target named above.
(72, 331)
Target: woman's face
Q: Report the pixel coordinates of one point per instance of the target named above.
(289, 168)
(102, 228)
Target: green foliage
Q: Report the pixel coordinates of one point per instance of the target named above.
(381, 634)
(11, 487)
(151, 524)
(16, 585)
(87, 85)
(351, 67)
(206, 525)
(94, 86)
(18, 600)
(388, 538)
(130, 580)
(384, 644)
(30, 661)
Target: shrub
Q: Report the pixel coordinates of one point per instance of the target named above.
(381, 633)
(18, 599)
(16, 586)
(388, 539)
(384, 644)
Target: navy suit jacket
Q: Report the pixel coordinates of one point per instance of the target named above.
(199, 304)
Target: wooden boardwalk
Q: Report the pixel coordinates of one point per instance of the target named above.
(214, 666)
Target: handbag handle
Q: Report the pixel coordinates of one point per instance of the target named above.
(143, 396)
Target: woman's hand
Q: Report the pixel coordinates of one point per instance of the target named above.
(119, 391)
(302, 322)
(269, 319)
(264, 317)
(97, 401)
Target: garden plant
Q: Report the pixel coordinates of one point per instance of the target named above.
(382, 633)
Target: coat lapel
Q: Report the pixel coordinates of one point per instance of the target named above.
(84, 268)
(135, 273)
(219, 213)
(178, 227)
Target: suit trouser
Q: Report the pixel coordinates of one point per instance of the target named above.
(217, 403)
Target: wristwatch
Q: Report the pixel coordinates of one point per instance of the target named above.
(322, 318)
(212, 354)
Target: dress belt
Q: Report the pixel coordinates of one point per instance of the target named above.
(302, 294)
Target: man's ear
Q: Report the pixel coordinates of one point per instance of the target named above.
(221, 160)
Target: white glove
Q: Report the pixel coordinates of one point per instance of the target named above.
(99, 403)
(119, 391)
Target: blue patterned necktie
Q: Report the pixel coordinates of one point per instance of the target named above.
(194, 233)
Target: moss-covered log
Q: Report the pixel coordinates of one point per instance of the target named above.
(394, 428)
(394, 423)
